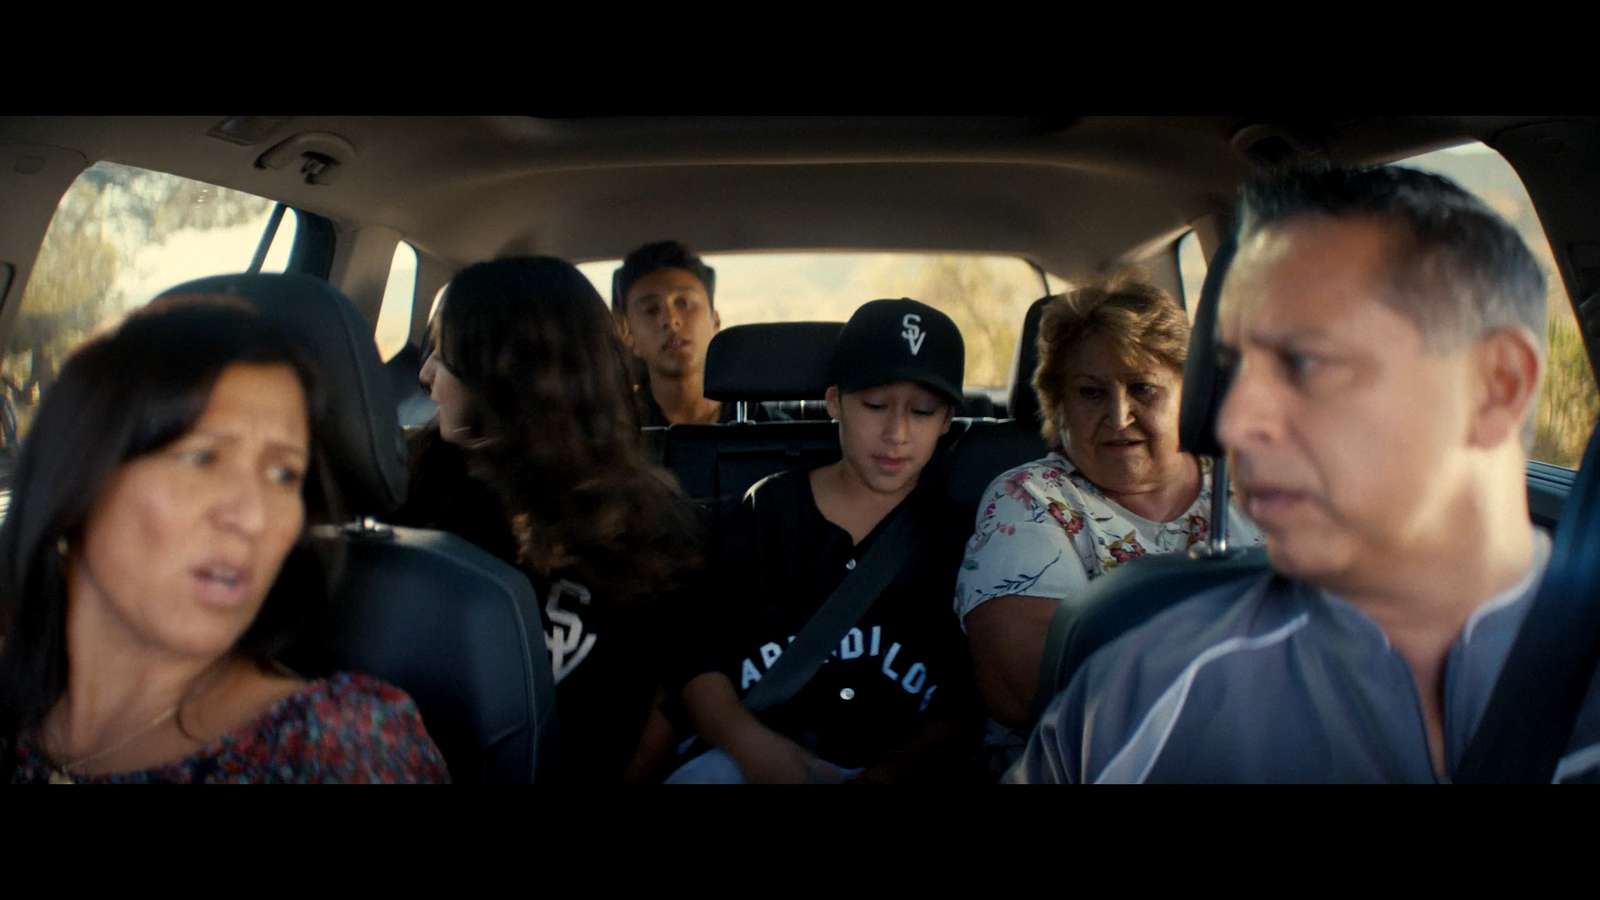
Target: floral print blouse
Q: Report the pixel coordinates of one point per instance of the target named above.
(345, 729)
(1045, 531)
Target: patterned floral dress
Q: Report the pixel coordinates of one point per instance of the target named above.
(1045, 530)
(344, 729)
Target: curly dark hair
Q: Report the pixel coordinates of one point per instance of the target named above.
(1141, 320)
(554, 431)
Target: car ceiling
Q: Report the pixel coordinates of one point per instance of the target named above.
(1070, 193)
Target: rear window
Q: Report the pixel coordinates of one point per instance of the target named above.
(1568, 399)
(121, 235)
(986, 296)
(1192, 269)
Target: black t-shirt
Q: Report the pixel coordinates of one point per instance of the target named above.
(904, 665)
(443, 495)
(651, 416)
(604, 655)
(607, 666)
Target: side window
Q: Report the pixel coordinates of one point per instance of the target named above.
(438, 296)
(277, 258)
(1568, 399)
(121, 235)
(1191, 271)
(394, 317)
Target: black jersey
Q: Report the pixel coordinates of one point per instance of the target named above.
(605, 656)
(904, 665)
(606, 662)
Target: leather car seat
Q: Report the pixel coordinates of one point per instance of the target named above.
(451, 625)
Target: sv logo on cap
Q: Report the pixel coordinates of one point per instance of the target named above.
(913, 332)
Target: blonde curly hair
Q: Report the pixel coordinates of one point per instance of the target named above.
(1142, 322)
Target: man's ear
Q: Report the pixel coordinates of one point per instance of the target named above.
(624, 330)
(949, 416)
(1508, 370)
(831, 400)
(716, 320)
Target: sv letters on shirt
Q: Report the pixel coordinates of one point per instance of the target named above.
(566, 640)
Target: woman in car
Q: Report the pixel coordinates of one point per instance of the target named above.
(534, 389)
(157, 555)
(1114, 486)
(894, 702)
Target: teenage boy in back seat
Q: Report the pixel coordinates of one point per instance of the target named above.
(895, 701)
(662, 299)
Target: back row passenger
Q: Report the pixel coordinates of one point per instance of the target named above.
(539, 454)
(662, 297)
(879, 685)
(533, 392)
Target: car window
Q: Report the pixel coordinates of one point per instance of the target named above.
(394, 316)
(1191, 271)
(1568, 399)
(121, 235)
(987, 296)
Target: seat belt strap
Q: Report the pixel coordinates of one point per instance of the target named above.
(844, 608)
(1529, 720)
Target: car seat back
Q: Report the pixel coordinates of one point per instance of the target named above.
(446, 622)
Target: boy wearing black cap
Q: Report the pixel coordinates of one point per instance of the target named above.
(662, 298)
(895, 701)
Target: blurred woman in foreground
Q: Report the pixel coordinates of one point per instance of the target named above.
(156, 557)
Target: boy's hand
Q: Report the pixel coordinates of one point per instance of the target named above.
(766, 757)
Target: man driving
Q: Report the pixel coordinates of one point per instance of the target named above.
(1386, 334)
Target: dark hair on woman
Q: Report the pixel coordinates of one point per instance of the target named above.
(119, 397)
(554, 432)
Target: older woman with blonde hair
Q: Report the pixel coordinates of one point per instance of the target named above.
(1114, 486)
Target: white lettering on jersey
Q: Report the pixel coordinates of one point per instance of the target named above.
(889, 659)
(876, 633)
(748, 676)
(565, 640)
(915, 676)
(913, 332)
(927, 697)
(770, 653)
(850, 647)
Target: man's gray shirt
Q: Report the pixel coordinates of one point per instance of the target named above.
(1278, 681)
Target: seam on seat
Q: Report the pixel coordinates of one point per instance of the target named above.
(1132, 764)
(1576, 762)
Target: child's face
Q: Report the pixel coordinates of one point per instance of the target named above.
(888, 433)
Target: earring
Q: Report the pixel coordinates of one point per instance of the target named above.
(61, 546)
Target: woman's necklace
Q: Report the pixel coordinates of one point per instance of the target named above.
(62, 774)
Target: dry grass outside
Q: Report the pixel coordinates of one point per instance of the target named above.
(1568, 400)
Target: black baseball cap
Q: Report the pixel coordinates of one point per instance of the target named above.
(899, 340)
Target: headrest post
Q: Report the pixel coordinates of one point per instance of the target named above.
(1219, 505)
(742, 410)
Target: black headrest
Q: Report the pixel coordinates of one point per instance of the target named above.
(1204, 385)
(1024, 402)
(773, 361)
(365, 446)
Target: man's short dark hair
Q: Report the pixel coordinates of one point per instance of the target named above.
(653, 258)
(1458, 270)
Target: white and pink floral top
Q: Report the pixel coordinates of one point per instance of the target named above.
(1044, 530)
